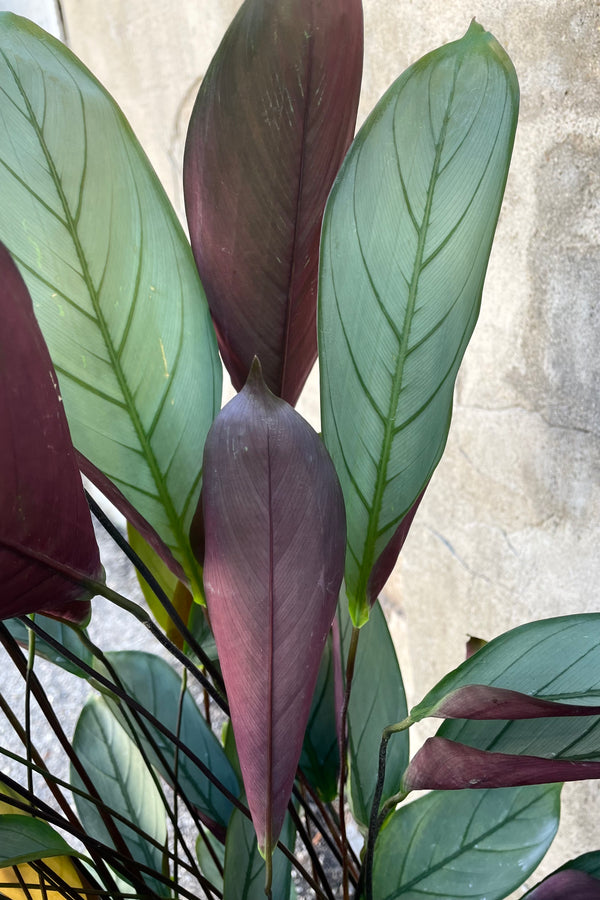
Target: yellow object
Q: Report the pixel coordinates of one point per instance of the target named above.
(61, 865)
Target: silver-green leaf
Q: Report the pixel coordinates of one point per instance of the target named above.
(406, 239)
(112, 278)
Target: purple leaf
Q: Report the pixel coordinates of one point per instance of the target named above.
(47, 543)
(569, 884)
(274, 559)
(386, 561)
(479, 701)
(445, 765)
(272, 122)
(474, 644)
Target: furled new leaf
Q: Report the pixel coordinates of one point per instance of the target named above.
(465, 845)
(112, 278)
(275, 539)
(45, 524)
(406, 239)
(444, 765)
(273, 119)
(519, 661)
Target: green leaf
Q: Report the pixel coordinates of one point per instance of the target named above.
(526, 658)
(587, 862)
(320, 758)
(157, 687)
(552, 659)
(406, 238)
(244, 875)
(112, 278)
(61, 632)
(123, 782)
(468, 844)
(376, 701)
(175, 590)
(208, 866)
(24, 839)
(577, 880)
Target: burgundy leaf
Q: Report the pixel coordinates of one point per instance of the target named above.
(445, 765)
(47, 542)
(271, 125)
(479, 701)
(569, 883)
(386, 561)
(127, 509)
(474, 644)
(274, 559)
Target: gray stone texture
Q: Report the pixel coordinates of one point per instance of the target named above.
(510, 527)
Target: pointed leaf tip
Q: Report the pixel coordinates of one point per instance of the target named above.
(274, 557)
(45, 526)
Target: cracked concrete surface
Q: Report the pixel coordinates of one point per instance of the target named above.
(510, 526)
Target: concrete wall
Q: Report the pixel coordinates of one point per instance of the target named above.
(509, 530)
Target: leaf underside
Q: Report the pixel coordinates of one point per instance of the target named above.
(406, 239)
(43, 511)
(275, 538)
(271, 125)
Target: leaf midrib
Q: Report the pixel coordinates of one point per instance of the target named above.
(466, 848)
(71, 226)
(397, 382)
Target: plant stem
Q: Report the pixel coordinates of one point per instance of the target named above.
(142, 616)
(350, 663)
(29, 742)
(155, 587)
(316, 862)
(378, 816)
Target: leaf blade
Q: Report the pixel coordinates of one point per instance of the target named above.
(112, 279)
(406, 237)
(273, 119)
(24, 839)
(42, 498)
(275, 535)
(497, 839)
(121, 778)
(377, 700)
